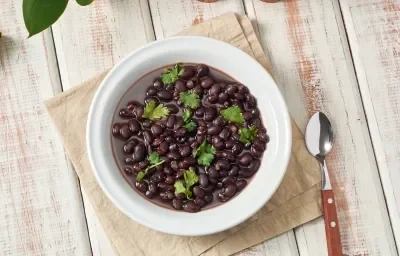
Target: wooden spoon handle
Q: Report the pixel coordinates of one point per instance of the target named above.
(331, 224)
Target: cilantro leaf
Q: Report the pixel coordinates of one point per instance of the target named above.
(154, 112)
(190, 99)
(190, 126)
(233, 114)
(206, 153)
(191, 178)
(171, 75)
(247, 135)
(154, 158)
(187, 114)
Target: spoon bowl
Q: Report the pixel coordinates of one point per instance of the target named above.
(319, 135)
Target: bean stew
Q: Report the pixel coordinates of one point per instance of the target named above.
(188, 137)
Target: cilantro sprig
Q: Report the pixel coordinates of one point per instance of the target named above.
(154, 160)
(190, 178)
(190, 99)
(155, 112)
(233, 114)
(247, 135)
(189, 124)
(205, 154)
(171, 75)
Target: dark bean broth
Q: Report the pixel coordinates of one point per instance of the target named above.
(239, 176)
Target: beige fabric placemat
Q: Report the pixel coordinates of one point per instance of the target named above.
(296, 201)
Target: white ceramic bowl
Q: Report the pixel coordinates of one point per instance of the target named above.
(228, 59)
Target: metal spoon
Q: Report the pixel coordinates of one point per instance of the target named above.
(319, 141)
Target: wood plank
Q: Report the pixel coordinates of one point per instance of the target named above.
(41, 211)
(311, 238)
(373, 30)
(169, 18)
(307, 44)
(92, 39)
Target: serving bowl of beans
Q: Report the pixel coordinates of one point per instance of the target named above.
(188, 136)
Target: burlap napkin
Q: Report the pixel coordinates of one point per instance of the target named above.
(296, 201)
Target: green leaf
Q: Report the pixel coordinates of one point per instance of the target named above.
(41, 14)
(190, 99)
(205, 153)
(153, 112)
(187, 114)
(233, 114)
(140, 176)
(190, 177)
(84, 2)
(180, 188)
(154, 158)
(247, 135)
(171, 75)
(190, 126)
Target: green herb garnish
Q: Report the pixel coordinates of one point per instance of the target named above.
(187, 114)
(233, 114)
(190, 125)
(205, 153)
(190, 99)
(247, 135)
(155, 160)
(154, 112)
(171, 75)
(191, 178)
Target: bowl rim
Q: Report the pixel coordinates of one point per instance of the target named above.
(286, 154)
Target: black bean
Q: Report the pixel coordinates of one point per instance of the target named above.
(237, 148)
(200, 201)
(174, 165)
(218, 143)
(115, 129)
(163, 186)
(203, 180)
(222, 164)
(247, 116)
(215, 90)
(178, 123)
(242, 89)
(245, 173)
(169, 139)
(149, 99)
(187, 72)
(170, 88)
(128, 170)
(163, 148)
(228, 180)
(165, 195)
(231, 89)
(134, 126)
(212, 99)
(149, 194)
(208, 198)
(129, 146)
(213, 130)
(209, 139)
(180, 195)
(164, 95)
(143, 164)
(190, 160)
(250, 100)
(190, 206)
(151, 91)
(227, 104)
(223, 174)
(228, 156)
(220, 185)
(169, 179)
(180, 86)
(213, 181)
(199, 112)
(255, 112)
(245, 159)
(132, 105)
(201, 130)
(171, 121)
(139, 153)
(148, 136)
(230, 190)
(156, 177)
(233, 128)
(240, 184)
(235, 137)
(129, 160)
(125, 131)
(225, 134)
(201, 70)
(255, 165)
(157, 142)
(198, 192)
(223, 97)
(181, 132)
(139, 112)
(234, 171)
(263, 137)
(229, 144)
(191, 83)
(173, 147)
(158, 84)
(185, 150)
(256, 151)
(173, 109)
(141, 186)
(210, 114)
(173, 155)
(136, 168)
(168, 170)
(177, 203)
(183, 165)
(147, 123)
(153, 188)
(124, 113)
(212, 172)
(198, 90)
(156, 129)
(220, 121)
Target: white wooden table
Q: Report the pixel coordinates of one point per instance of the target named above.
(339, 56)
